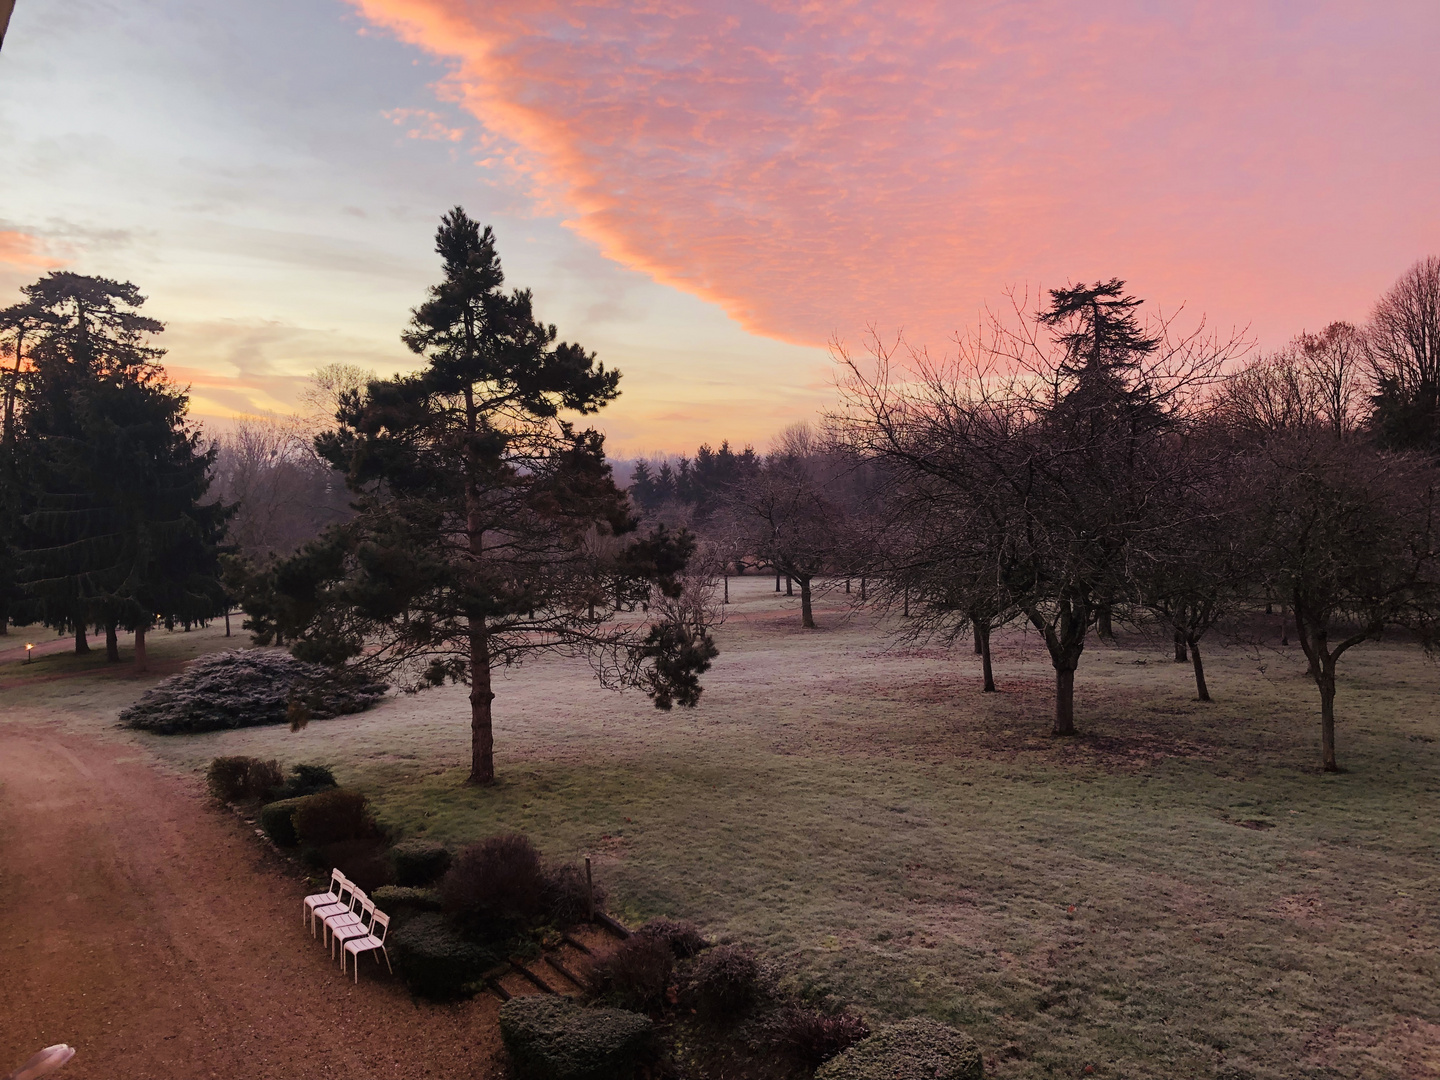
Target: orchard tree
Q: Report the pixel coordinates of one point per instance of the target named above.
(479, 507)
(1053, 425)
(1350, 536)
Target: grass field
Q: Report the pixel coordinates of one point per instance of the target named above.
(1179, 892)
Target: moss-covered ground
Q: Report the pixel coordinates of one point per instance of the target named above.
(1177, 892)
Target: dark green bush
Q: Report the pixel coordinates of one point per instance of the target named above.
(565, 895)
(232, 779)
(915, 1049)
(306, 780)
(636, 975)
(684, 939)
(278, 821)
(724, 982)
(399, 899)
(553, 1038)
(363, 860)
(333, 816)
(419, 862)
(495, 885)
(435, 961)
(815, 1037)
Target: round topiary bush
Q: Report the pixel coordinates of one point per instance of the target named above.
(553, 1038)
(405, 899)
(435, 961)
(915, 1049)
(724, 982)
(419, 862)
(246, 688)
(683, 938)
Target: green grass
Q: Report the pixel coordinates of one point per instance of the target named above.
(1179, 892)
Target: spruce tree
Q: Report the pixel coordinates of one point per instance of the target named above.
(115, 533)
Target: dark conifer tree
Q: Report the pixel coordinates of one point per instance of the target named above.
(115, 532)
(478, 507)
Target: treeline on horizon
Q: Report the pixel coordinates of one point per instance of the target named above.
(1073, 467)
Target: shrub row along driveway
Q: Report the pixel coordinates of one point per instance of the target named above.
(146, 928)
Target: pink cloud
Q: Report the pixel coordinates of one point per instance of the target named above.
(21, 251)
(816, 167)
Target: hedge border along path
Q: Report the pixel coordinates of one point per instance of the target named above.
(247, 688)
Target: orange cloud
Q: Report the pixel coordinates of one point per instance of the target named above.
(22, 251)
(816, 167)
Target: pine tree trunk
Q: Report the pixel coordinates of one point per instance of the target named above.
(1284, 626)
(227, 620)
(112, 644)
(1201, 690)
(984, 638)
(789, 586)
(727, 588)
(807, 616)
(141, 663)
(82, 646)
(1103, 623)
(862, 590)
(777, 580)
(1064, 701)
(905, 611)
(1180, 655)
(847, 586)
(482, 735)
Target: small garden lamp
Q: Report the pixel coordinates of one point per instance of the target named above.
(29, 648)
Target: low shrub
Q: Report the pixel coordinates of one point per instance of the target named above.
(278, 821)
(247, 687)
(815, 1037)
(636, 975)
(233, 779)
(419, 862)
(435, 961)
(495, 884)
(724, 982)
(684, 939)
(915, 1049)
(333, 816)
(306, 780)
(401, 899)
(364, 860)
(566, 897)
(555, 1039)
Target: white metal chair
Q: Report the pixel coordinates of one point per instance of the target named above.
(345, 902)
(324, 899)
(342, 928)
(371, 942)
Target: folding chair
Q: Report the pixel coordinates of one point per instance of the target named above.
(371, 942)
(345, 902)
(324, 899)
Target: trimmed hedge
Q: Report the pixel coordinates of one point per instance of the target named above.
(435, 961)
(555, 1039)
(278, 821)
(231, 779)
(419, 862)
(915, 1049)
(394, 899)
(332, 817)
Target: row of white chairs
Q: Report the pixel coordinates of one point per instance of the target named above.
(350, 921)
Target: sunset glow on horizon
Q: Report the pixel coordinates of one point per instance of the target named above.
(708, 194)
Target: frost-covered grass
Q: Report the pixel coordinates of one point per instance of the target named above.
(1179, 892)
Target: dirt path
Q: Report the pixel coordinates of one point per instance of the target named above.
(146, 928)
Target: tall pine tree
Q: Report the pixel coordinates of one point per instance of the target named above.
(478, 506)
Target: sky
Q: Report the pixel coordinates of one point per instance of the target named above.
(708, 194)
